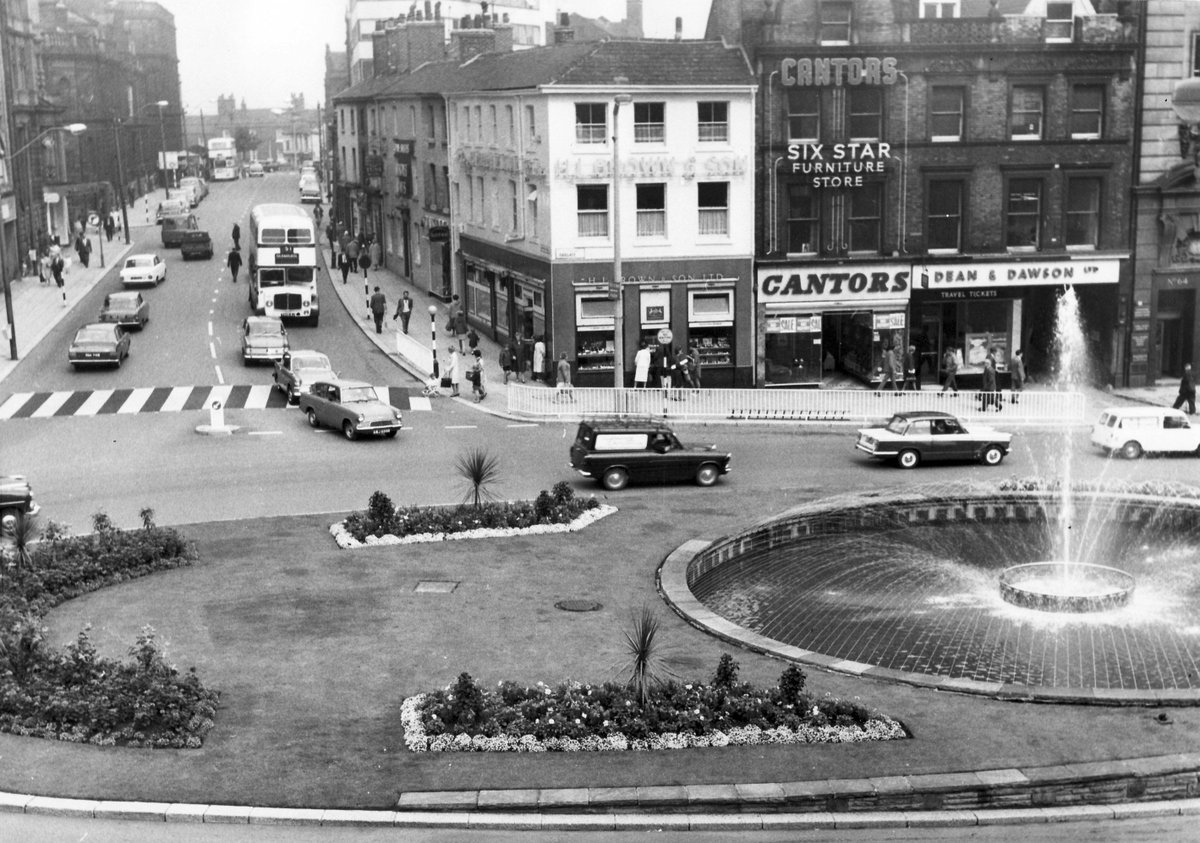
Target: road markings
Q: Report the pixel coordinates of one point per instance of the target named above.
(266, 432)
(212, 351)
(210, 332)
(521, 425)
(220, 377)
(460, 426)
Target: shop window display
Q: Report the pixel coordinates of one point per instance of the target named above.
(793, 350)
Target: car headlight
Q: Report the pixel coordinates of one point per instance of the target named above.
(361, 417)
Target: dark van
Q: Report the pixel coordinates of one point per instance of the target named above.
(174, 226)
(195, 244)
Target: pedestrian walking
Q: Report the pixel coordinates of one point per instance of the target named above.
(539, 359)
(331, 236)
(364, 263)
(911, 364)
(44, 273)
(234, 262)
(376, 252)
(352, 249)
(683, 365)
(83, 247)
(1187, 390)
(563, 378)
(1018, 375)
(950, 367)
(641, 367)
(236, 234)
(109, 227)
(891, 370)
(477, 385)
(452, 322)
(57, 267)
(404, 309)
(472, 339)
(454, 371)
(343, 262)
(696, 373)
(989, 396)
(506, 361)
(518, 352)
(378, 309)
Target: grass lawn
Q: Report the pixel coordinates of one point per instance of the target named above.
(313, 650)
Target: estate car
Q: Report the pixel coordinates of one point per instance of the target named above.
(1133, 431)
(911, 438)
(128, 308)
(618, 452)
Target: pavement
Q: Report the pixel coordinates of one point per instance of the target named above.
(844, 789)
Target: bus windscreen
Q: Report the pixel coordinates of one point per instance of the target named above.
(278, 276)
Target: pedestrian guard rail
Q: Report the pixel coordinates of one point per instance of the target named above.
(852, 406)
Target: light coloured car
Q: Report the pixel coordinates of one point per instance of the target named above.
(197, 186)
(299, 370)
(255, 170)
(310, 190)
(98, 344)
(1134, 431)
(353, 407)
(263, 338)
(171, 208)
(912, 438)
(143, 269)
(128, 308)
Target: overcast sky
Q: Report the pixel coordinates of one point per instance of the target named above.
(265, 50)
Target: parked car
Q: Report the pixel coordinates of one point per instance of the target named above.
(143, 269)
(299, 370)
(197, 186)
(16, 502)
(195, 243)
(255, 170)
(353, 407)
(174, 226)
(170, 208)
(263, 338)
(127, 308)
(1134, 431)
(99, 344)
(310, 190)
(618, 452)
(914, 437)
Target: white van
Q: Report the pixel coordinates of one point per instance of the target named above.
(1133, 431)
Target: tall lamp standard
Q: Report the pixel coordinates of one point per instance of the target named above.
(121, 181)
(162, 144)
(618, 288)
(74, 129)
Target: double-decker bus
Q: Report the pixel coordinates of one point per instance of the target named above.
(222, 159)
(283, 262)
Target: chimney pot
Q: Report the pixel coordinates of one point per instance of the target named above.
(678, 29)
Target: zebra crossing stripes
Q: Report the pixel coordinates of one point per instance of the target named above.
(170, 399)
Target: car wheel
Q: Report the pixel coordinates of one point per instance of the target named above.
(615, 479)
(1131, 450)
(348, 431)
(707, 475)
(312, 418)
(908, 458)
(992, 455)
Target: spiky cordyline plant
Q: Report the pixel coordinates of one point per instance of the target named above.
(641, 642)
(480, 468)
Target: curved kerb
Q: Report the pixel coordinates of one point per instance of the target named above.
(692, 558)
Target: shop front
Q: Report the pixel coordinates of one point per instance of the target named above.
(975, 309)
(1169, 340)
(703, 305)
(818, 320)
(504, 293)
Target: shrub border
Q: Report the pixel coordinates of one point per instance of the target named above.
(345, 541)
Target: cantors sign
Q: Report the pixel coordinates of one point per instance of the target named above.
(838, 71)
(834, 283)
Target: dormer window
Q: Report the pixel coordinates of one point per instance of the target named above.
(1060, 25)
(835, 21)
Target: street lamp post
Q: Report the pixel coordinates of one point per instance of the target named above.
(162, 139)
(121, 181)
(74, 129)
(617, 285)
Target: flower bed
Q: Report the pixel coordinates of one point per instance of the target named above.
(574, 717)
(558, 511)
(74, 694)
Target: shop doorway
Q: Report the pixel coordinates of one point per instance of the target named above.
(1173, 334)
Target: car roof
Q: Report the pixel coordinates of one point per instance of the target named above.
(195, 234)
(1138, 411)
(627, 424)
(106, 325)
(342, 382)
(259, 320)
(909, 415)
(306, 352)
(143, 256)
(124, 295)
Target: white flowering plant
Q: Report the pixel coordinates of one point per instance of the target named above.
(578, 717)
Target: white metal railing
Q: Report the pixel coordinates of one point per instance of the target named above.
(795, 405)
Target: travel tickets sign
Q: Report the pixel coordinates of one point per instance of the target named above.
(1017, 274)
(837, 164)
(840, 283)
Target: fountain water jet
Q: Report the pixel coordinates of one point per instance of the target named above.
(1067, 584)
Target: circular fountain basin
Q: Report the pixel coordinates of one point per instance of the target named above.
(1066, 587)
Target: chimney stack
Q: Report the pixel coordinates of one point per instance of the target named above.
(678, 29)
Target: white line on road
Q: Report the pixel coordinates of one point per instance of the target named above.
(460, 426)
(266, 432)
(220, 377)
(212, 351)
(520, 425)
(210, 333)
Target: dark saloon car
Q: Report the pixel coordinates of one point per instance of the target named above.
(618, 452)
(16, 502)
(99, 344)
(195, 243)
(914, 437)
(128, 308)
